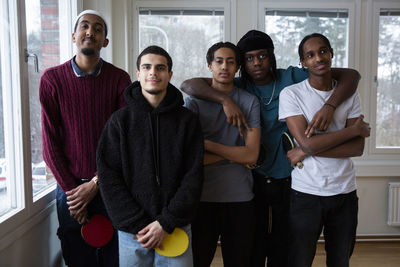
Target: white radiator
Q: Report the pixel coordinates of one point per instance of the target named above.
(394, 204)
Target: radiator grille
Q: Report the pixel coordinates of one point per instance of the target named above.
(394, 204)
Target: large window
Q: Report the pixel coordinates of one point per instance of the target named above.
(29, 43)
(42, 27)
(388, 80)
(186, 34)
(42, 30)
(364, 36)
(7, 181)
(287, 27)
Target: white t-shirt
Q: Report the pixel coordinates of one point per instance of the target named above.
(320, 176)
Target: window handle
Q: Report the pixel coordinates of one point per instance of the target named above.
(376, 81)
(35, 59)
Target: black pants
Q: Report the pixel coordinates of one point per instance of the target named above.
(272, 210)
(309, 214)
(234, 222)
(76, 252)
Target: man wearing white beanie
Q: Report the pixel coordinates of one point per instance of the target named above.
(77, 98)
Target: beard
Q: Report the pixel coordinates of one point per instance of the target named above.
(88, 51)
(154, 91)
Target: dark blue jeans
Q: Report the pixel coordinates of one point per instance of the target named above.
(309, 214)
(76, 252)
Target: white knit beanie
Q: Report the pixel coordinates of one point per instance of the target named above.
(89, 11)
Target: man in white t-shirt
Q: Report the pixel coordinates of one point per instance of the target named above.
(323, 191)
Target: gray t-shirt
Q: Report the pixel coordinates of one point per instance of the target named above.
(225, 181)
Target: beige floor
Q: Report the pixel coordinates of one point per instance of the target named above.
(366, 254)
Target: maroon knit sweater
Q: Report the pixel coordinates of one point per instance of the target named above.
(74, 112)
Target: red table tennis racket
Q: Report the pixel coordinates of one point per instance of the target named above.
(98, 231)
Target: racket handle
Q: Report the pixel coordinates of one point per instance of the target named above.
(99, 256)
(299, 165)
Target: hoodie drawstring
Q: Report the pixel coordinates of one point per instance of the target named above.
(156, 147)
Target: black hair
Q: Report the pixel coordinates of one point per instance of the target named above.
(318, 35)
(215, 47)
(153, 49)
(104, 23)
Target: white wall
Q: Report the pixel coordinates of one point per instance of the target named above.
(37, 244)
(373, 207)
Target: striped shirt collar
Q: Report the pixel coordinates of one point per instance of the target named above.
(79, 73)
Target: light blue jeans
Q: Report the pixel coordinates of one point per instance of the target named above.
(132, 254)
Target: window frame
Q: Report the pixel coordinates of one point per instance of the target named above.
(375, 162)
(12, 106)
(377, 6)
(29, 210)
(351, 6)
(132, 48)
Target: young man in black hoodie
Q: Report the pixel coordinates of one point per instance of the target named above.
(150, 164)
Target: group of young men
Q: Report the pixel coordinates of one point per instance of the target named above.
(141, 156)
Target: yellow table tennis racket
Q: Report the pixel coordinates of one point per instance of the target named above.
(289, 144)
(174, 244)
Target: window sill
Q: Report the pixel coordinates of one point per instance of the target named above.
(377, 167)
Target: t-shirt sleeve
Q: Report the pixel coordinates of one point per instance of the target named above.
(191, 104)
(355, 111)
(253, 118)
(288, 105)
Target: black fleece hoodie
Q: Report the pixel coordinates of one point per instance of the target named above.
(138, 144)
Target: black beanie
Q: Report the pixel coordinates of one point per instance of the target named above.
(254, 40)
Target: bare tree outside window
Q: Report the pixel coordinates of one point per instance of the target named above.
(185, 35)
(288, 27)
(388, 93)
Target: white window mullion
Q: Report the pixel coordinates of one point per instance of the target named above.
(6, 80)
(11, 81)
(13, 102)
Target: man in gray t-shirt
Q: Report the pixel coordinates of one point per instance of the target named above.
(226, 210)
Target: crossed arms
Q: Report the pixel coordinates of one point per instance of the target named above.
(246, 154)
(347, 142)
